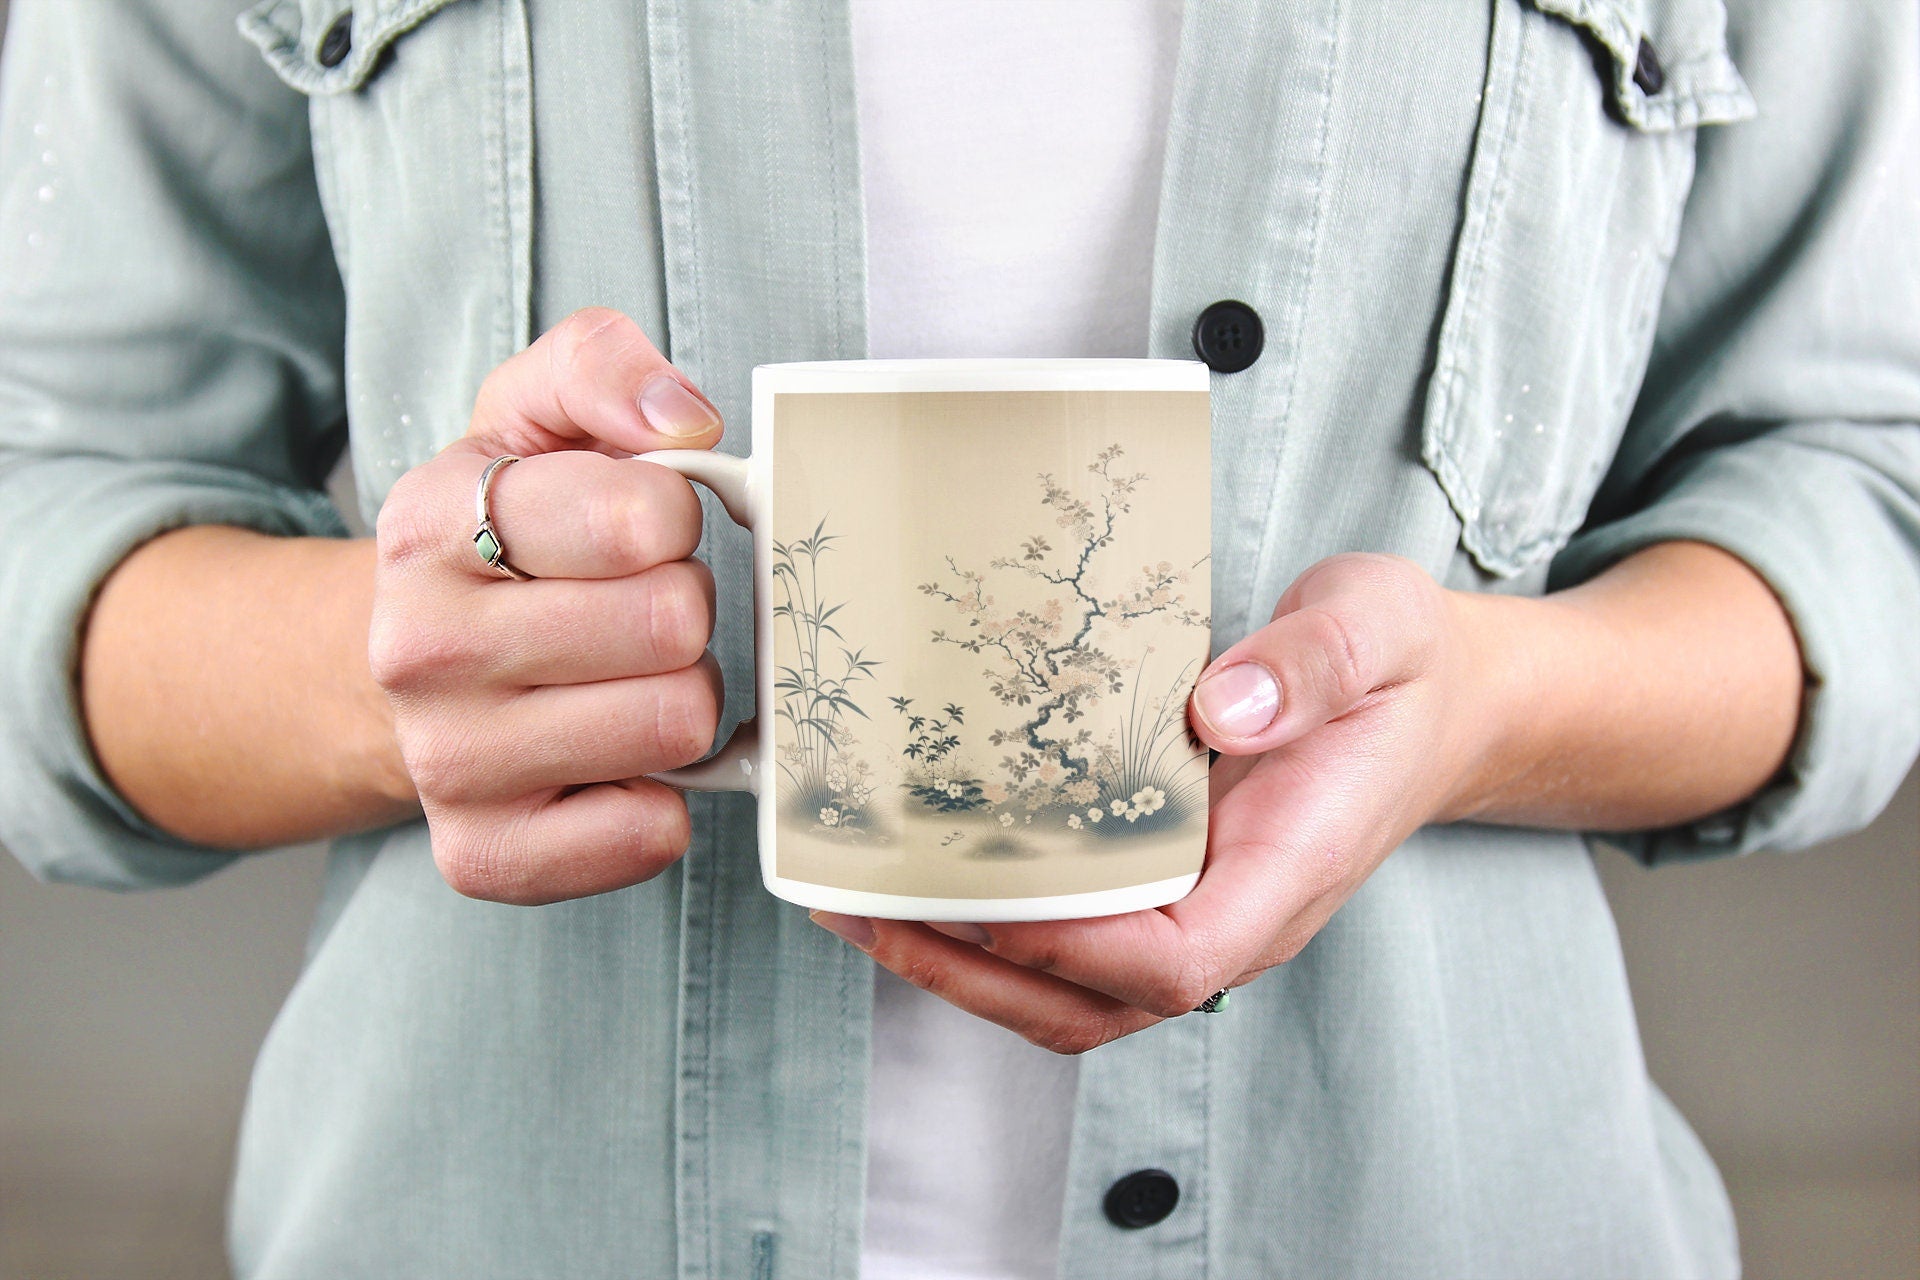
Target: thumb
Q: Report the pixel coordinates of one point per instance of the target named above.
(1348, 627)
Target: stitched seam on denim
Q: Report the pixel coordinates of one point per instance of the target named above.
(709, 1018)
(1563, 524)
(1466, 272)
(516, 112)
(843, 955)
(1442, 450)
(696, 308)
(264, 26)
(1207, 1198)
(327, 181)
(769, 208)
(833, 190)
(1270, 542)
(693, 1187)
(1637, 334)
(672, 174)
(493, 142)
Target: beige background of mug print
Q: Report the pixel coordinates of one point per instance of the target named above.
(906, 479)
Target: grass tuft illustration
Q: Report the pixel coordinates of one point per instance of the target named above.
(1153, 773)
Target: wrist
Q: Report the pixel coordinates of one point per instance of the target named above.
(226, 692)
(369, 766)
(1498, 702)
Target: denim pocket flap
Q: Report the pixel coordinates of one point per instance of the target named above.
(324, 47)
(1664, 62)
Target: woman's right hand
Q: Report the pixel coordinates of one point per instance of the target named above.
(529, 713)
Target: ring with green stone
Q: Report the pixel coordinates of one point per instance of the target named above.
(486, 539)
(1215, 1002)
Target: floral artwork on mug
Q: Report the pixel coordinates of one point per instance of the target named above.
(981, 684)
(1054, 661)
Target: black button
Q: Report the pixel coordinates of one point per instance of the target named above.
(335, 45)
(1647, 72)
(1228, 336)
(1142, 1198)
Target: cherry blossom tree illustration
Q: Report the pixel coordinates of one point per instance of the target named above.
(1051, 659)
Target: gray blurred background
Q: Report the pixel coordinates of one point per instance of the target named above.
(1779, 1001)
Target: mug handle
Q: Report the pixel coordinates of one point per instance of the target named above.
(736, 765)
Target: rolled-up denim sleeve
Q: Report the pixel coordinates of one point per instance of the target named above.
(1778, 415)
(170, 349)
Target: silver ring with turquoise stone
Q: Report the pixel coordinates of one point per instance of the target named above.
(1215, 1002)
(486, 539)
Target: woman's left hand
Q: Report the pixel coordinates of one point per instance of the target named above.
(1353, 718)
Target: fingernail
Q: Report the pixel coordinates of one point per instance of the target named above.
(672, 410)
(1239, 701)
(965, 932)
(855, 929)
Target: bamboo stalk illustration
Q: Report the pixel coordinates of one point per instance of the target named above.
(813, 703)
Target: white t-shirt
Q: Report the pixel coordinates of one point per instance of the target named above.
(1011, 158)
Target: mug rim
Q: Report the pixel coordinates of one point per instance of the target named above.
(984, 374)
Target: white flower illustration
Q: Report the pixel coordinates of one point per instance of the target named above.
(830, 816)
(1133, 814)
(1006, 819)
(1119, 807)
(1073, 820)
(1149, 799)
(1095, 814)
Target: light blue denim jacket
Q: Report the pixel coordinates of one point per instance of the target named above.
(1529, 307)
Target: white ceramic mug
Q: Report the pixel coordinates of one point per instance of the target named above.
(981, 602)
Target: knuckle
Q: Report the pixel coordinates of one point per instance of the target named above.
(655, 831)
(684, 720)
(925, 972)
(1329, 868)
(441, 759)
(390, 652)
(583, 335)
(669, 828)
(481, 860)
(1178, 992)
(678, 622)
(611, 519)
(404, 655)
(1286, 950)
(1344, 653)
(675, 515)
(408, 526)
(1043, 954)
(1072, 1034)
